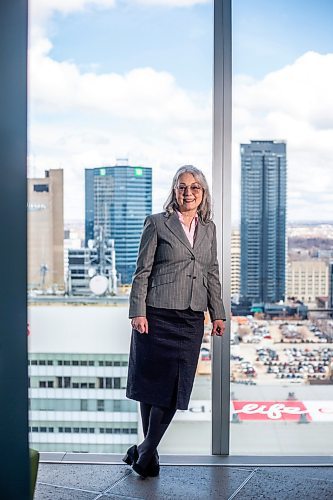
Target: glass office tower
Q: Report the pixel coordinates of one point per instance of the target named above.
(263, 220)
(118, 199)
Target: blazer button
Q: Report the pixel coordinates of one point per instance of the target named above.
(192, 258)
(194, 277)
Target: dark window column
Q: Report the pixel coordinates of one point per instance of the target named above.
(13, 205)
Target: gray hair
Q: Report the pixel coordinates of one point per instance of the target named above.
(205, 207)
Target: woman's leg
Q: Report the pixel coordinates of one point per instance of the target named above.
(131, 455)
(159, 421)
(145, 414)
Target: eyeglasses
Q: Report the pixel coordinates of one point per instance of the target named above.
(194, 188)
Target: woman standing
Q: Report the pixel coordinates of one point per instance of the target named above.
(176, 279)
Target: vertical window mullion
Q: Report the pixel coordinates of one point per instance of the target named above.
(222, 216)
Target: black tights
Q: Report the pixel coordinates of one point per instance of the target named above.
(155, 421)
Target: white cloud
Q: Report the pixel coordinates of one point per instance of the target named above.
(297, 89)
(74, 147)
(170, 3)
(82, 119)
(294, 104)
(40, 12)
(142, 93)
(39, 9)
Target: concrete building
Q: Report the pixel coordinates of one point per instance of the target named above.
(263, 220)
(78, 356)
(46, 231)
(78, 359)
(307, 280)
(118, 199)
(89, 266)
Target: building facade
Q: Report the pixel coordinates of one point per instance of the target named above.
(307, 280)
(78, 362)
(86, 265)
(118, 199)
(46, 231)
(235, 262)
(263, 220)
(330, 281)
(78, 358)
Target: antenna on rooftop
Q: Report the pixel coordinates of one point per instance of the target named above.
(122, 162)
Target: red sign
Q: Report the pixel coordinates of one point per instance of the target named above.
(270, 410)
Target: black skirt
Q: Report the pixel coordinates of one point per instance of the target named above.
(162, 363)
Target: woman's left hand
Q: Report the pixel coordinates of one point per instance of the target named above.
(218, 327)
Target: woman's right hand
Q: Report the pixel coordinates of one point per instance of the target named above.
(140, 324)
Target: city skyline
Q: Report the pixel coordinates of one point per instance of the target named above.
(90, 103)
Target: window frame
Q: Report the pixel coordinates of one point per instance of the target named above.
(221, 192)
(13, 200)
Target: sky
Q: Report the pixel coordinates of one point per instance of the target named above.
(111, 79)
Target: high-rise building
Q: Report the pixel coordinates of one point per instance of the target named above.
(46, 231)
(235, 262)
(263, 220)
(330, 285)
(118, 199)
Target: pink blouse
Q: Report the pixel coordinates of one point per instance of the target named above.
(189, 231)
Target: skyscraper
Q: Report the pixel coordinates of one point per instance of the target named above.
(263, 220)
(330, 288)
(118, 199)
(235, 262)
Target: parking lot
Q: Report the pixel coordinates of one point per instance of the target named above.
(271, 352)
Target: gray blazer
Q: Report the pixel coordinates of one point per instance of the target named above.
(173, 275)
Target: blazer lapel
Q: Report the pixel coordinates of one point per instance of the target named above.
(200, 234)
(174, 224)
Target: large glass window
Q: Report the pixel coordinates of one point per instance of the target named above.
(120, 96)
(281, 270)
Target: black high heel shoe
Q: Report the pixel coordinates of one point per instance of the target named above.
(131, 455)
(142, 471)
(154, 466)
(152, 469)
